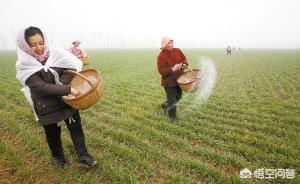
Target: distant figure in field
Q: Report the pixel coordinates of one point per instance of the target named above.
(79, 52)
(228, 50)
(41, 70)
(170, 63)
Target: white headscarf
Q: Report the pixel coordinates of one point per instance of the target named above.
(29, 62)
(27, 65)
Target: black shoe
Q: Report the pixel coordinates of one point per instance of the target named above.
(61, 161)
(164, 107)
(87, 160)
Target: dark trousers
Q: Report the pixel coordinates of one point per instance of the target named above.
(53, 132)
(174, 94)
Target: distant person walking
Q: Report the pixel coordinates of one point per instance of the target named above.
(170, 63)
(79, 52)
(41, 70)
(228, 50)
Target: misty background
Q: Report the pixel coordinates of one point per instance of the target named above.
(141, 23)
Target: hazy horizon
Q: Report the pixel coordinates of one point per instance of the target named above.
(141, 24)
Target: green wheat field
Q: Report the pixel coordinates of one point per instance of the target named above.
(250, 120)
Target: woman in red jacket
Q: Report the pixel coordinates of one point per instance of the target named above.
(170, 63)
(79, 52)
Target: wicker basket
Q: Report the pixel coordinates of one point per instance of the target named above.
(190, 80)
(85, 61)
(90, 85)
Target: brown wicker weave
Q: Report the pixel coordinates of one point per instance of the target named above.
(90, 85)
(190, 80)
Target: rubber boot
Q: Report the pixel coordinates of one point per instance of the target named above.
(57, 152)
(78, 140)
(172, 114)
(164, 107)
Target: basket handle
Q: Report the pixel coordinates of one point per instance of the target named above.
(80, 75)
(193, 73)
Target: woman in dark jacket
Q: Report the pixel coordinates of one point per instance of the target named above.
(169, 63)
(40, 69)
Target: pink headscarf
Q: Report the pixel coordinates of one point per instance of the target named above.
(23, 45)
(164, 41)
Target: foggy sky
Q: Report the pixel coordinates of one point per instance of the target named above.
(141, 23)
